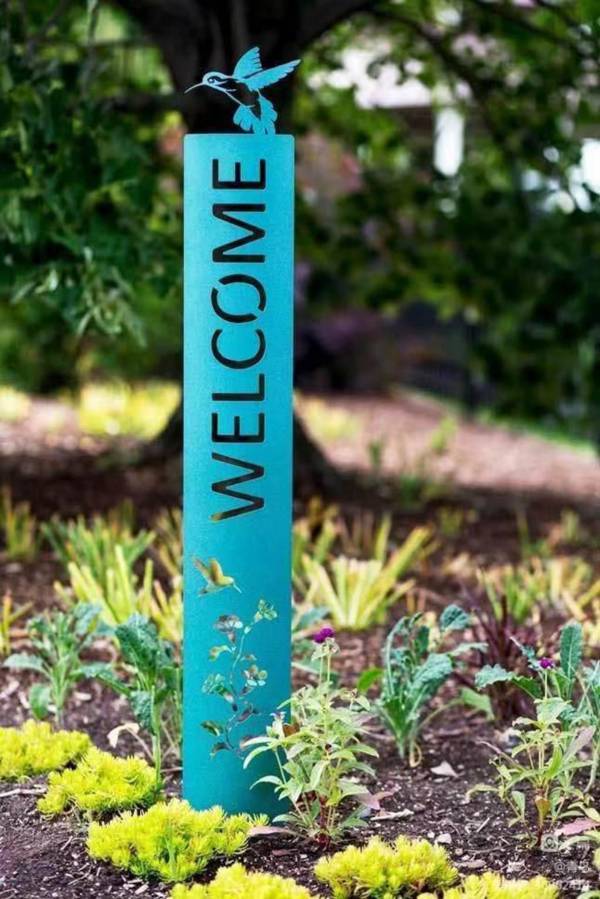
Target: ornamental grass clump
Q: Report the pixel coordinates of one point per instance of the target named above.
(358, 593)
(494, 886)
(99, 783)
(236, 881)
(382, 871)
(170, 841)
(36, 749)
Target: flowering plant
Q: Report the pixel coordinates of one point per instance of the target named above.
(319, 752)
(553, 746)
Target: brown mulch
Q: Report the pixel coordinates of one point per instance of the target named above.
(48, 859)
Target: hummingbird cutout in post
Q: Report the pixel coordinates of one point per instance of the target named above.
(254, 113)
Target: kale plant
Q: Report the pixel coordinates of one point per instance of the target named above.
(152, 686)
(416, 664)
(57, 642)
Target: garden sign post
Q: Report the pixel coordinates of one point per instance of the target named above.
(238, 297)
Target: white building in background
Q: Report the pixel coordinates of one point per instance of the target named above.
(385, 89)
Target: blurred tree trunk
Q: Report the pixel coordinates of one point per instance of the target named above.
(196, 36)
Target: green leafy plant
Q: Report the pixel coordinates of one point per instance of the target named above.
(100, 782)
(236, 881)
(35, 749)
(170, 841)
(405, 868)
(241, 679)
(358, 593)
(58, 641)
(541, 768)
(152, 686)
(318, 754)
(9, 615)
(18, 527)
(493, 886)
(416, 665)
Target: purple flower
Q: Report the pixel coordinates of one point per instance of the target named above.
(547, 663)
(326, 633)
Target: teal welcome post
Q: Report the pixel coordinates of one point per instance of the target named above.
(238, 323)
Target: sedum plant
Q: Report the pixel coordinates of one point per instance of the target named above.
(417, 662)
(405, 868)
(35, 749)
(318, 754)
(493, 886)
(235, 882)
(101, 782)
(57, 642)
(358, 593)
(170, 841)
(18, 527)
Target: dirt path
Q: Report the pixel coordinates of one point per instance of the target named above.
(477, 455)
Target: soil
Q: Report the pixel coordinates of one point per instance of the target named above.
(489, 474)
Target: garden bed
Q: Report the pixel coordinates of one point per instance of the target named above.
(40, 858)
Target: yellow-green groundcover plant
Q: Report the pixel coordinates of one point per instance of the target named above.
(170, 841)
(494, 886)
(35, 749)
(382, 871)
(99, 783)
(236, 882)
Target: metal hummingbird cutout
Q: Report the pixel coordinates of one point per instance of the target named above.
(255, 113)
(214, 576)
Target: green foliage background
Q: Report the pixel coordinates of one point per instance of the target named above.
(89, 206)
(90, 201)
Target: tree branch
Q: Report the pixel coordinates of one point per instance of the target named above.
(504, 12)
(317, 20)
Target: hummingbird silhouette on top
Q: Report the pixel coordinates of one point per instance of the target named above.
(254, 113)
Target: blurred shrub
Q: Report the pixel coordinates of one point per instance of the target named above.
(117, 409)
(14, 405)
